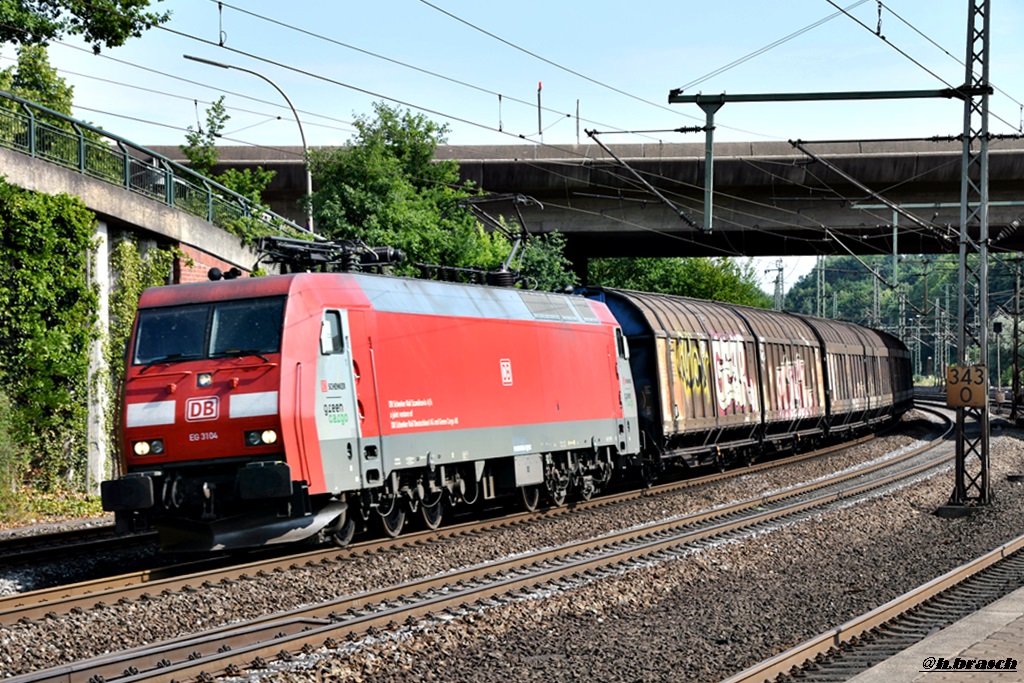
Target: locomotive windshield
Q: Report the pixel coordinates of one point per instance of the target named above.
(217, 329)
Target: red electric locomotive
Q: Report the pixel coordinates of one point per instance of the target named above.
(275, 409)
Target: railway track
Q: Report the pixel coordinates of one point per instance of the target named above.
(857, 645)
(233, 648)
(132, 585)
(24, 550)
(184, 575)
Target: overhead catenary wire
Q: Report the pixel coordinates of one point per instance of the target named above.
(434, 74)
(164, 93)
(942, 234)
(905, 54)
(945, 51)
(650, 188)
(551, 62)
(319, 36)
(356, 88)
(404, 103)
(734, 252)
(770, 46)
(222, 5)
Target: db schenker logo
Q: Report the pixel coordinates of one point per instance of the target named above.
(202, 409)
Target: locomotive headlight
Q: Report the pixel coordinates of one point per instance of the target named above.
(204, 379)
(264, 437)
(154, 447)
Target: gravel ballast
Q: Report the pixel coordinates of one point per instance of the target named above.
(699, 618)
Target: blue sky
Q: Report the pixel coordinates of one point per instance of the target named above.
(615, 61)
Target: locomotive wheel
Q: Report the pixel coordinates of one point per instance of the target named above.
(432, 514)
(530, 497)
(393, 520)
(557, 497)
(557, 488)
(649, 472)
(342, 530)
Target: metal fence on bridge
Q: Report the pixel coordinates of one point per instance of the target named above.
(45, 134)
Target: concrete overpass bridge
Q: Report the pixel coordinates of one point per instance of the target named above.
(770, 197)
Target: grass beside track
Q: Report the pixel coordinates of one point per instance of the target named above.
(28, 507)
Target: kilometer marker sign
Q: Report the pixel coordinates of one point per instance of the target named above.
(966, 386)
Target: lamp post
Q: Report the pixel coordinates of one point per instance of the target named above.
(302, 133)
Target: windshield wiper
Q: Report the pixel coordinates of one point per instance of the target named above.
(170, 358)
(244, 352)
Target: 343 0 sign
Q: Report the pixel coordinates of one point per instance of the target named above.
(966, 386)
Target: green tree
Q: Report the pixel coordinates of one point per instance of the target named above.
(32, 78)
(385, 189)
(200, 146)
(544, 264)
(200, 149)
(102, 23)
(918, 298)
(713, 279)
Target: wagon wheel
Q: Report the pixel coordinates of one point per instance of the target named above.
(393, 519)
(432, 514)
(529, 496)
(587, 490)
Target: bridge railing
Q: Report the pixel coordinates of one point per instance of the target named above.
(42, 133)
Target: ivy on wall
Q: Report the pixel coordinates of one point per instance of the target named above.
(47, 321)
(134, 272)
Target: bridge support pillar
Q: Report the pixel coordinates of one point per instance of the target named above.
(578, 258)
(96, 434)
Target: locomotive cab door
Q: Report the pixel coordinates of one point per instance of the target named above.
(628, 426)
(337, 420)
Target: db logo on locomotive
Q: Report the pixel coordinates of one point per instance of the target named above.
(202, 409)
